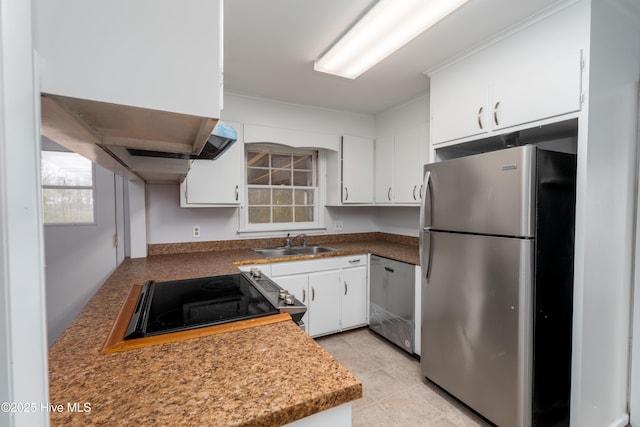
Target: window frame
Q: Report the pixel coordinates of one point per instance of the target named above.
(247, 227)
(92, 187)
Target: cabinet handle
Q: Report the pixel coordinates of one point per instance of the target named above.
(313, 294)
(495, 113)
(421, 187)
(237, 193)
(346, 289)
(354, 261)
(389, 194)
(346, 193)
(480, 117)
(415, 187)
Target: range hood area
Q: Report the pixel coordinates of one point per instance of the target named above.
(156, 146)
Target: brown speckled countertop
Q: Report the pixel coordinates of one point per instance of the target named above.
(263, 376)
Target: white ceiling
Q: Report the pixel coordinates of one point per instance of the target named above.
(270, 47)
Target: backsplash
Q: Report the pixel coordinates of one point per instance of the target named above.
(229, 245)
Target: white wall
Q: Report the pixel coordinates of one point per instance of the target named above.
(70, 283)
(168, 223)
(258, 111)
(605, 219)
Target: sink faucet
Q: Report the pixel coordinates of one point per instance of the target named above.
(288, 240)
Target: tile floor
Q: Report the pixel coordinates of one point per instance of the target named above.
(394, 391)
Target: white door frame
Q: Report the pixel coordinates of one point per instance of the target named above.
(23, 336)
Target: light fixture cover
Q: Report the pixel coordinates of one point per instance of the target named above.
(389, 25)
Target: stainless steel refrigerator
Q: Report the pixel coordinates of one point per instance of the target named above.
(497, 252)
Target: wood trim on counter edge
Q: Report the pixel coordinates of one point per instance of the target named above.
(115, 341)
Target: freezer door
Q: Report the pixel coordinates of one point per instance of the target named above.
(489, 193)
(476, 323)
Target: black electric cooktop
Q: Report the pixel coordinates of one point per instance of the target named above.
(179, 305)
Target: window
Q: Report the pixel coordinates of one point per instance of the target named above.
(281, 189)
(67, 188)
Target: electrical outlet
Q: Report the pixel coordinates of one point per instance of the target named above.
(339, 225)
(196, 231)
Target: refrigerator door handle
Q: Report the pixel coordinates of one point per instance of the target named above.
(426, 251)
(426, 189)
(425, 259)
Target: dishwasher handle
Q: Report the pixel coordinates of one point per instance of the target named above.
(390, 270)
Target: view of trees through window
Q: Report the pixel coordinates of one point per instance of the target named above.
(67, 188)
(280, 187)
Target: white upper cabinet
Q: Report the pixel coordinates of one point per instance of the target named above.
(357, 169)
(459, 106)
(409, 149)
(399, 158)
(216, 182)
(384, 163)
(543, 89)
(528, 77)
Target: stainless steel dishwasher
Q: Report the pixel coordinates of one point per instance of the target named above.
(392, 295)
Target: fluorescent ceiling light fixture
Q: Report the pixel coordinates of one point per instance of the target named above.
(389, 25)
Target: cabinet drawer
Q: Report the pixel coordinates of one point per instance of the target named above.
(309, 266)
(353, 261)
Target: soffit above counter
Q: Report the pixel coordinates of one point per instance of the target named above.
(103, 132)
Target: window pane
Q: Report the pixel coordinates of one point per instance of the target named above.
(302, 179)
(259, 215)
(281, 177)
(258, 159)
(283, 214)
(67, 205)
(304, 197)
(281, 161)
(282, 197)
(68, 169)
(304, 214)
(259, 196)
(258, 176)
(302, 162)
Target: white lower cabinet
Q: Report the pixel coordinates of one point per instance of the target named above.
(325, 302)
(355, 296)
(333, 289)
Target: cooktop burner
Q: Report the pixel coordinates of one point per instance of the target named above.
(179, 305)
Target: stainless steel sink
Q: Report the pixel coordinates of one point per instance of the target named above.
(275, 252)
(293, 250)
(312, 249)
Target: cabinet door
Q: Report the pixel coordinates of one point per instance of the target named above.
(215, 182)
(297, 284)
(543, 89)
(384, 169)
(357, 169)
(408, 167)
(354, 298)
(325, 303)
(458, 107)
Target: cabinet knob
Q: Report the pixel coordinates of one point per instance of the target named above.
(495, 113)
(480, 118)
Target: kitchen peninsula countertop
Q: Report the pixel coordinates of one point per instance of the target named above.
(267, 375)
